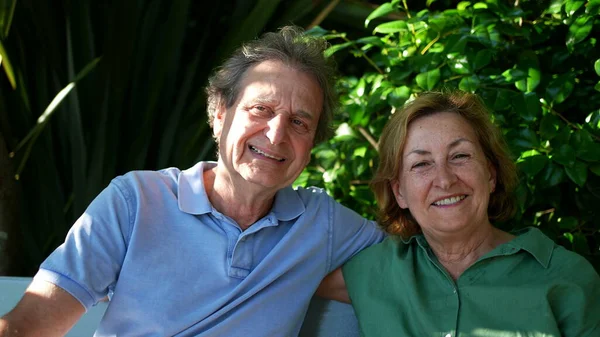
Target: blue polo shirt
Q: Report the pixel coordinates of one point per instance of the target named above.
(172, 265)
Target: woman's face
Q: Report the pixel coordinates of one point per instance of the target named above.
(445, 180)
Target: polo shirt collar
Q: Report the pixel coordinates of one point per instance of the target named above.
(529, 239)
(533, 241)
(191, 193)
(192, 196)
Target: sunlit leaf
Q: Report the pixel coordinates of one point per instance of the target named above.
(337, 47)
(572, 6)
(533, 165)
(579, 30)
(560, 88)
(391, 27)
(385, 9)
(528, 63)
(429, 79)
(6, 65)
(469, 84)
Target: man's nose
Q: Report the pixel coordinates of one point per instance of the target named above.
(276, 129)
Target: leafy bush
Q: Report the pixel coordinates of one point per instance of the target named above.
(536, 66)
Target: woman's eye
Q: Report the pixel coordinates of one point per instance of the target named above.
(461, 156)
(420, 164)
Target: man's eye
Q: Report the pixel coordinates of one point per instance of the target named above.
(299, 125)
(260, 110)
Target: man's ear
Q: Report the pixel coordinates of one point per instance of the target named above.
(219, 119)
(395, 185)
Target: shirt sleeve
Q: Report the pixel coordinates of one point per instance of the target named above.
(576, 302)
(88, 263)
(351, 233)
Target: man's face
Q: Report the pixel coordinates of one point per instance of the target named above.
(266, 136)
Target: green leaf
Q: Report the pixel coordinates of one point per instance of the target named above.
(580, 244)
(499, 99)
(391, 27)
(597, 86)
(398, 96)
(529, 64)
(482, 59)
(521, 194)
(7, 11)
(429, 79)
(6, 64)
(360, 151)
(572, 6)
(564, 155)
(593, 7)
(523, 139)
(579, 30)
(514, 75)
(458, 64)
(585, 146)
(533, 165)
(337, 47)
(560, 88)
(527, 105)
(567, 222)
(552, 175)
(577, 172)
(463, 5)
(469, 84)
(385, 9)
(595, 169)
(597, 67)
(549, 126)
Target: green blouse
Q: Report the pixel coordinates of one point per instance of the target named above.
(528, 287)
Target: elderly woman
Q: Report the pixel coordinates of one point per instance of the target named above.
(444, 177)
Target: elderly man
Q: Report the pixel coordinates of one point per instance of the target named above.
(220, 249)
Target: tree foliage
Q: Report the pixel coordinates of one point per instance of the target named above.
(535, 64)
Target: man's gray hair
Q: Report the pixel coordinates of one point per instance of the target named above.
(290, 46)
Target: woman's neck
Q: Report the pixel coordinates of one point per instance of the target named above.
(459, 252)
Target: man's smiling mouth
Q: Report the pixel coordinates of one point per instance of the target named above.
(255, 150)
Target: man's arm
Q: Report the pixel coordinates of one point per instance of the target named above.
(44, 311)
(333, 287)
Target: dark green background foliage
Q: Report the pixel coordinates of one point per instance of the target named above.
(536, 65)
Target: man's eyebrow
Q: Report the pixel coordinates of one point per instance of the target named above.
(304, 114)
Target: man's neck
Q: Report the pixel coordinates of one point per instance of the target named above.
(244, 205)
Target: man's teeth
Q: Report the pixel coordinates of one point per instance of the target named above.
(449, 201)
(264, 154)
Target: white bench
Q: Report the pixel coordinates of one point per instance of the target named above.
(324, 318)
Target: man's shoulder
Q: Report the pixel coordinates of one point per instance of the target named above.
(140, 180)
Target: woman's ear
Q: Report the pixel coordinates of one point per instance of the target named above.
(395, 185)
(493, 175)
